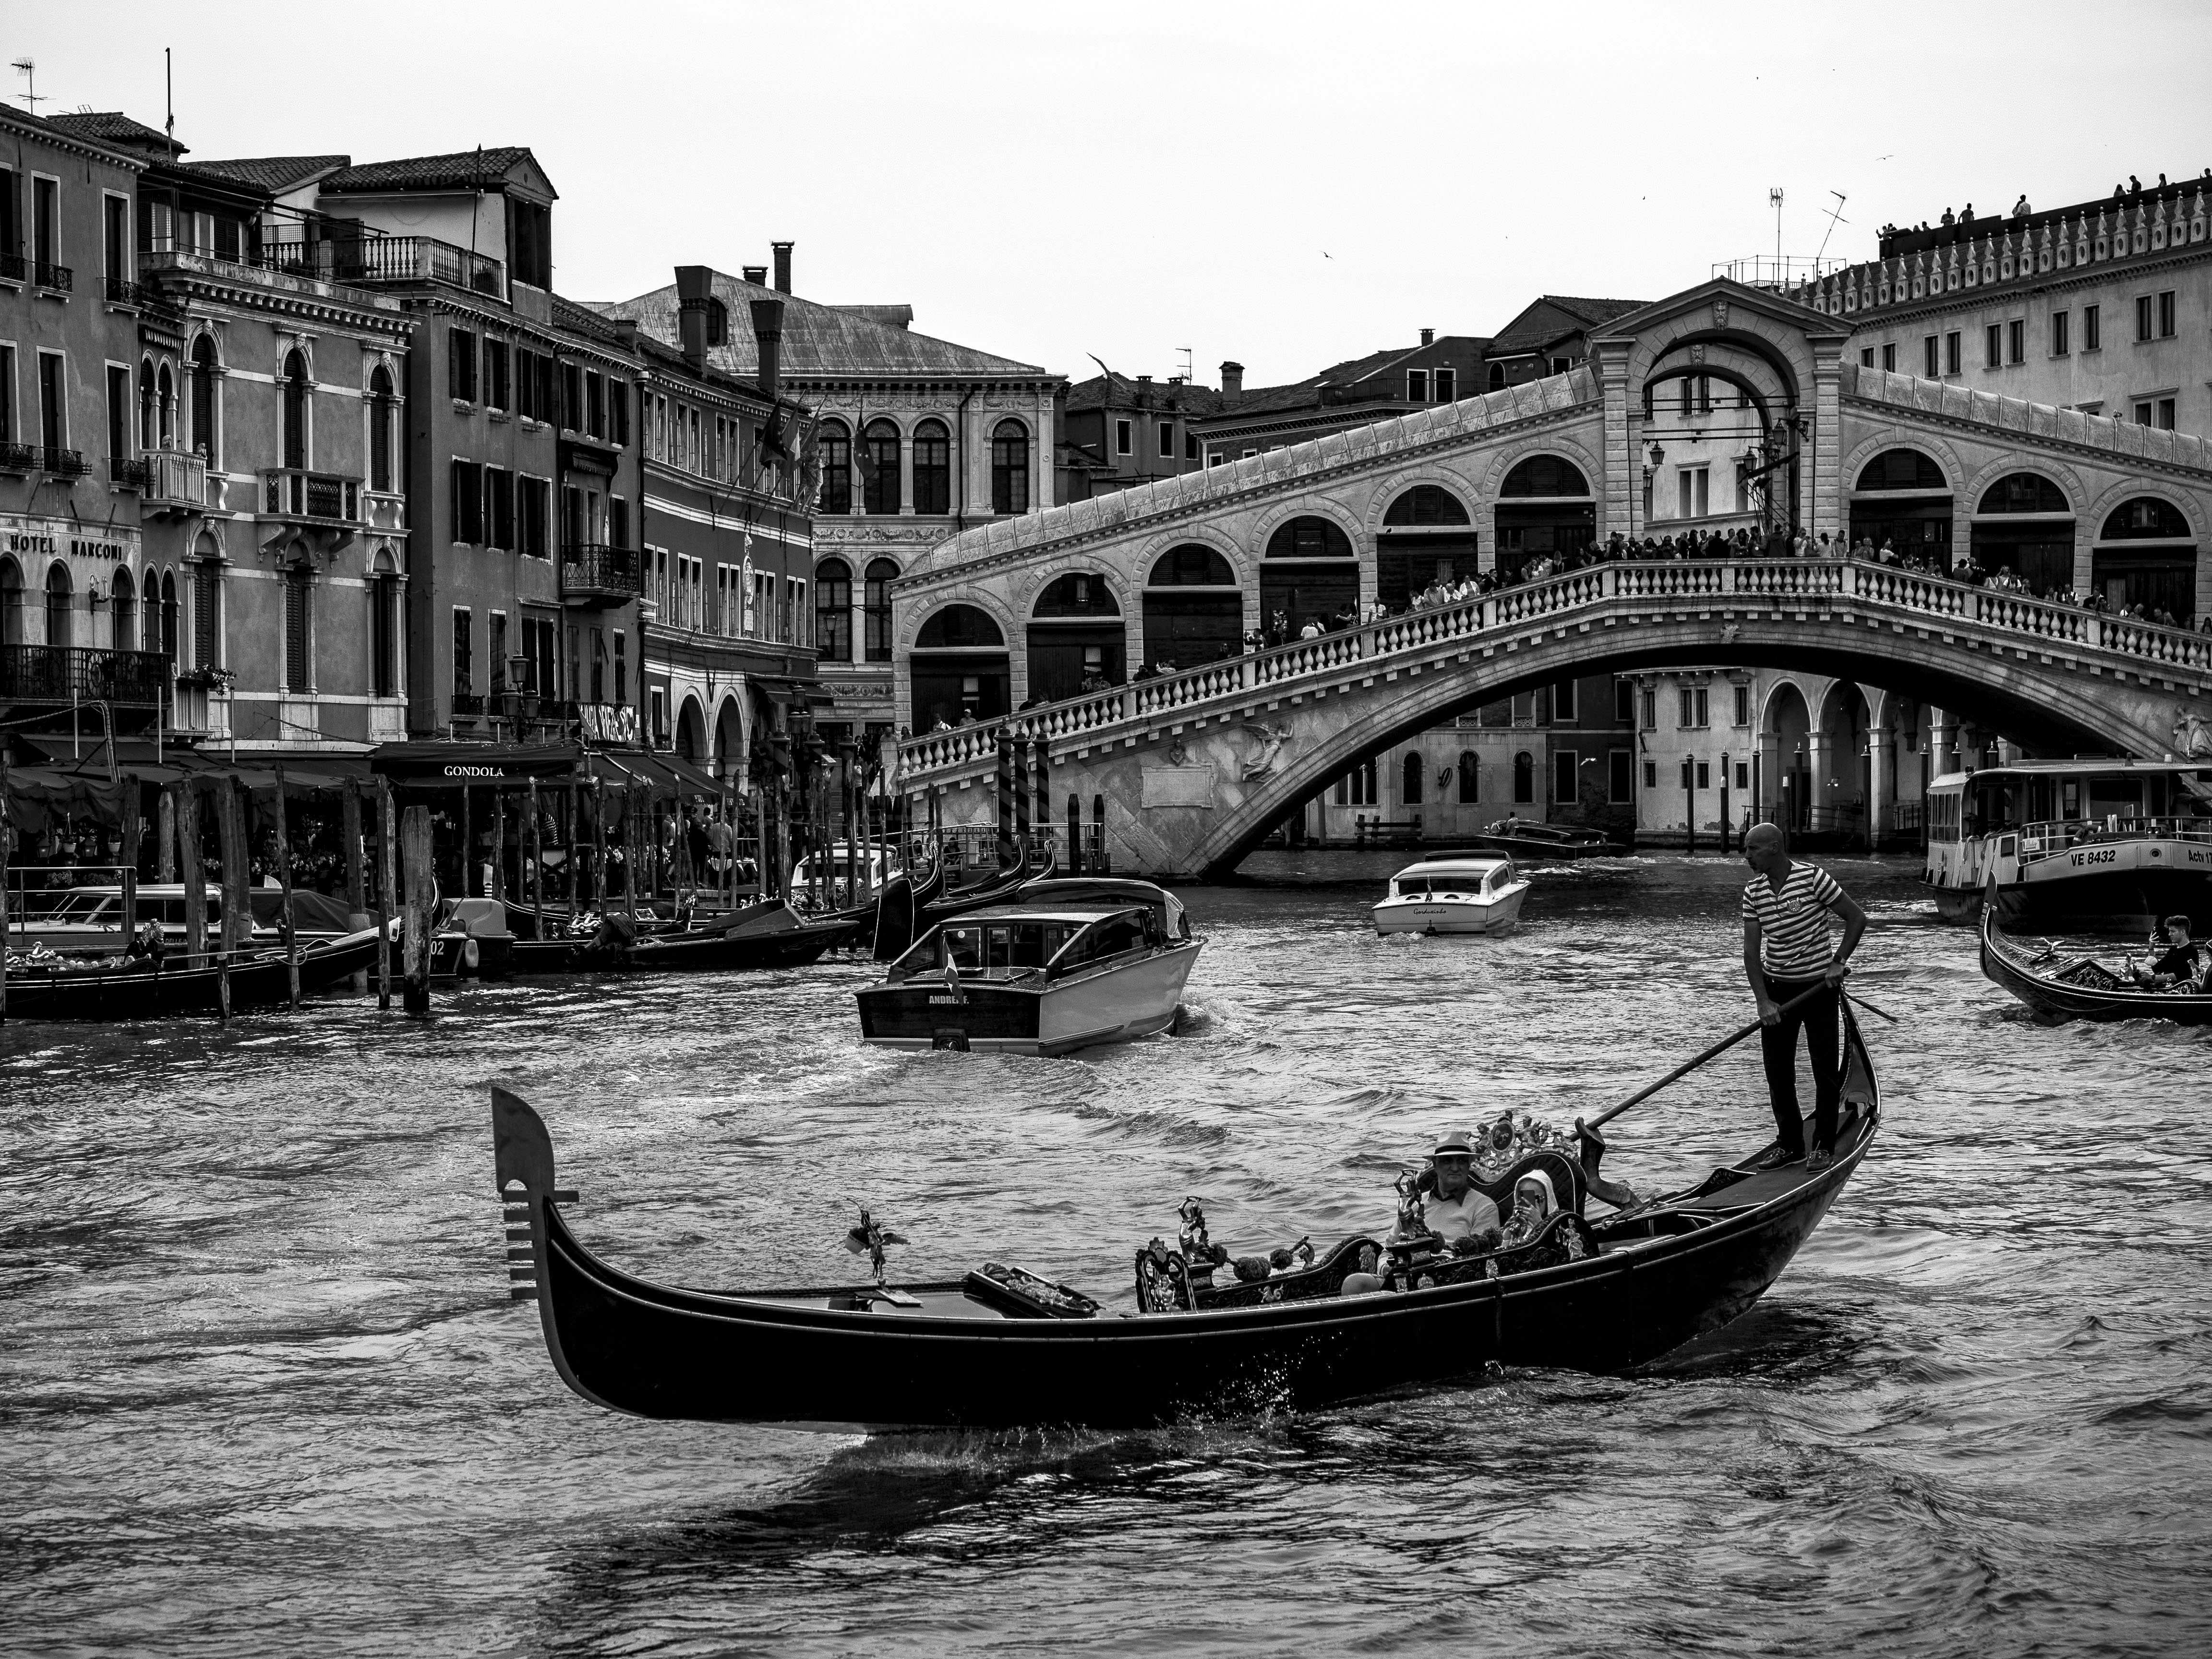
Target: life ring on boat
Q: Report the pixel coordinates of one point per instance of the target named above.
(470, 955)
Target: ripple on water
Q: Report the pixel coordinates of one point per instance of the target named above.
(261, 1392)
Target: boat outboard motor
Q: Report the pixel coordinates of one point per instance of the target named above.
(895, 919)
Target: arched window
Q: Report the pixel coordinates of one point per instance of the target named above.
(58, 631)
(1470, 778)
(1498, 377)
(380, 429)
(122, 613)
(384, 629)
(165, 407)
(879, 467)
(2025, 492)
(1427, 505)
(1902, 469)
(832, 444)
(960, 628)
(1410, 775)
(2146, 519)
(295, 410)
(1191, 565)
(11, 602)
(1545, 475)
(1309, 538)
(833, 609)
(932, 468)
(1010, 468)
(167, 643)
(147, 425)
(203, 377)
(876, 609)
(1078, 593)
(1524, 778)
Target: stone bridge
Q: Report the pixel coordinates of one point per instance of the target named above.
(1194, 768)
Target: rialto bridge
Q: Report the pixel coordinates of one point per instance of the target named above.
(1192, 767)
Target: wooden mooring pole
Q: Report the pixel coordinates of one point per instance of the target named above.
(418, 881)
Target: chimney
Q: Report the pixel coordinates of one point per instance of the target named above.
(757, 275)
(1428, 336)
(782, 251)
(1232, 382)
(768, 334)
(695, 301)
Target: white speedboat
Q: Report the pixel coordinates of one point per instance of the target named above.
(1060, 966)
(1453, 893)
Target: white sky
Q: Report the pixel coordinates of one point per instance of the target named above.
(1284, 184)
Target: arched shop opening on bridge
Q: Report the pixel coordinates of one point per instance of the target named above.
(1785, 794)
(1076, 639)
(1308, 574)
(2145, 555)
(1194, 609)
(1545, 508)
(1903, 499)
(961, 669)
(2025, 524)
(1427, 536)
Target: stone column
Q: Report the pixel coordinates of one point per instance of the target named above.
(1622, 485)
(1767, 786)
(906, 472)
(1820, 757)
(1880, 759)
(1942, 742)
(1823, 494)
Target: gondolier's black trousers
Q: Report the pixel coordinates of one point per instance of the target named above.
(1820, 1018)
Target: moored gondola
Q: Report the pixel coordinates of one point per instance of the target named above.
(2059, 985)
(768, 934)
(115, 992)
(1003, 1347)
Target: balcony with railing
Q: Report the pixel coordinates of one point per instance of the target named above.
(122, 291)
(368, 261)
(176, 483)
(60, 278)
(62, 674)
(324, 499)
(43, 457)
(14, 267)
(126, 473)
(596, 575)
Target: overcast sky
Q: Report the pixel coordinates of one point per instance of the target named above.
(1286, 185)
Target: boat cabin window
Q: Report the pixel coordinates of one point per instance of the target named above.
(1113, 937)
(988, 947)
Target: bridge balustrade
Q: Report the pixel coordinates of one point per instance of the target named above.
(972, 748)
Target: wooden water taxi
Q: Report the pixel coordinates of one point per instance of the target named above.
(1057, 966)
(1526, 839)
(1453, 893)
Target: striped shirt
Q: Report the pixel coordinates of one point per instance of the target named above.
(1792, 923)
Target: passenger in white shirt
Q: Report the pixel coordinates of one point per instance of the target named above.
(1456, 1210)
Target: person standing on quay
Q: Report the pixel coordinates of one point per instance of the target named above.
(1786, 906)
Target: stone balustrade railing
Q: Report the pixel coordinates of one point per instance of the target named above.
(942, 756)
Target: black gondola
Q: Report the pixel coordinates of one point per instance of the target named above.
(116, 992)
(1539, 842)
(768, 934)
(900, 904)
(2057, 988)
(1002, 1348)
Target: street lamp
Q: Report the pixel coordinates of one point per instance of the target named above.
(1690, 796)
(1654, 456)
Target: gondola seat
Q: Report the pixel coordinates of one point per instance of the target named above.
(1563, 1237)
(1325, 1277)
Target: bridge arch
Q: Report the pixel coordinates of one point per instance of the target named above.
(1428, 534)
(1194, 607)
(1076, 635)
(1311, 571)
(2023, 520)
(1534, 510)
(1901, 494)
(959, 667)
(2144, 550)
(690, 729)
(1898, 436)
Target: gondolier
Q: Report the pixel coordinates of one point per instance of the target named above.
(1786, 954)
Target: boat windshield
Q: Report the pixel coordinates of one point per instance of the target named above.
(991, 949)
(83, 907)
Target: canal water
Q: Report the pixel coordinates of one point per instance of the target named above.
(261, 1391)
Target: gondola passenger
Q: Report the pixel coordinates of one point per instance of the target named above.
(1533, 1204)
(2182, 967)
(1453, 1208)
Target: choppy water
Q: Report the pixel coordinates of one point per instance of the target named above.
(261, 1391)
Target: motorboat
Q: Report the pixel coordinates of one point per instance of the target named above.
(1528, 839)
(767, 934)
(2072, 844)
(1003, 1347)
(829, 873)
(2059, 985)
(88, 919)
(1453, 893)
(112, 987)
(1057, 966)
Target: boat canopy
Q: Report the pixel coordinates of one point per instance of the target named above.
(1096, 893)
(1003, 941)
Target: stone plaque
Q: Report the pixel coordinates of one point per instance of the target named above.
(1178, 786)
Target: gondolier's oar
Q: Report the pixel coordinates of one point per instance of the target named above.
(1861, 1002)
(1684, 1070)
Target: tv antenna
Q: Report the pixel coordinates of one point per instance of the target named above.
(1188, 378)
(1835, 217)
(28, 69)
(1774, 201)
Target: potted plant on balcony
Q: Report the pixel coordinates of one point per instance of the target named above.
(213, 679)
